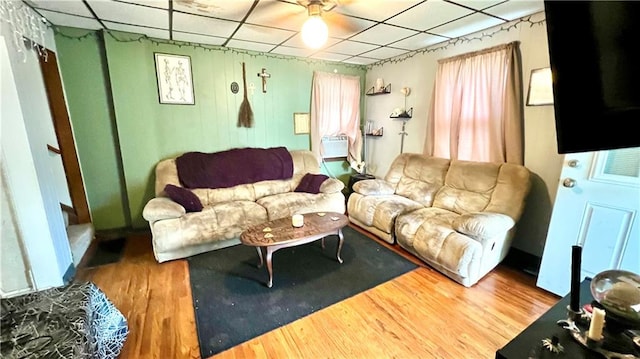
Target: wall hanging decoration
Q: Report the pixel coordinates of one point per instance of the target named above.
(245, 116)
(540, 87)
(175, 83)
(300, 123)
(234, 87)
(264, 76)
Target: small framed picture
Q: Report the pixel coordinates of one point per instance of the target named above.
(300, 123)
(175, 82)
(540, 87)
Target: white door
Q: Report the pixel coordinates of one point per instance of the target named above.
(597, 207)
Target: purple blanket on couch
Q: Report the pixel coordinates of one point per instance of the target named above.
(233, 167)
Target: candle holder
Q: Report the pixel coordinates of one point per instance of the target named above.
(614, 343)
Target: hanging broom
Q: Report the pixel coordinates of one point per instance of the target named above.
(245, 116)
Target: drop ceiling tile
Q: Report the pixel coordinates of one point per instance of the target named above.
(157, 33)
(278, 14)
(60, 19)
(262, 34)
(74, 7)
(292, 51)
(125, 13)
(223, 9)
(383, 53)
(160, 4)
(296, 41)
(249, 45)
(328, 56)
(200, 39)
(419, 41)
(478, 4)
(383, 34)
(351, 47)
(360, 60)
(512, 10)
(466, 25)
(203, 25)
(377, 10)
(429, 14)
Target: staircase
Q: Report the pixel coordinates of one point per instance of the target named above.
(80, 237)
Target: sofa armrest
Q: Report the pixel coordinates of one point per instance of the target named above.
(162, 208)
(483, 225)
(373, 187)
(331, 185)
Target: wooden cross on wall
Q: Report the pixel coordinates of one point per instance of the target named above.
(264, 76)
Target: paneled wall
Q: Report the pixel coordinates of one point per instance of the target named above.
(137, 131)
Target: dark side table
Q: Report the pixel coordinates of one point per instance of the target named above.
(528, 344)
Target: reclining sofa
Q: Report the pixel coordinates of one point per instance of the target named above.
(457, 216)
(178, 232)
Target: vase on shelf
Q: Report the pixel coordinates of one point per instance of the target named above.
(379, 85)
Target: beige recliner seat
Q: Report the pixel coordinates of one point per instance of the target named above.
(457, 216)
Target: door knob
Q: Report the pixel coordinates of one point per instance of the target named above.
(573, 163)
(569, 182)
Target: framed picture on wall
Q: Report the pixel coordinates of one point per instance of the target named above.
(540, 87)
(175, 82)
(300, 123)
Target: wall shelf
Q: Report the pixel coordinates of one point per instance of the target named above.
(372, 91)
(404, 115)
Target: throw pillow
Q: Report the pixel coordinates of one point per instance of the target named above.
(184, 197)
(311, 183)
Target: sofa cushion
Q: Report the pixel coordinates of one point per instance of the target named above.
(468, 186)
(429, 234)
(218, 222)
(310, 183)
(286, 204)
(379, 211)
(184, 197)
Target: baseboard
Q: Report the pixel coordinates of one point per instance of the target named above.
(521, 260)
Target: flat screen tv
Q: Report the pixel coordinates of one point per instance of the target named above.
(594, 50)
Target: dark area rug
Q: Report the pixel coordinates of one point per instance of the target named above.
(233, 304)
(108, 252)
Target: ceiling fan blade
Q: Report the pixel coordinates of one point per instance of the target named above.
(343, 25)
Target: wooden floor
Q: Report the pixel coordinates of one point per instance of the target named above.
(421, 314)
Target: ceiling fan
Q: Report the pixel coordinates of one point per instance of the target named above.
(315, 30)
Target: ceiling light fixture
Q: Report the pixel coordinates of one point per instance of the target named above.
(314, 31)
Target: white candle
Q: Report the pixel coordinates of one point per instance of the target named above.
(297, 220)
(597, 324)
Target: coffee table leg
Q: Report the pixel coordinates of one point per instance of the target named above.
(260, 256)
(269, 268)
(340, 242)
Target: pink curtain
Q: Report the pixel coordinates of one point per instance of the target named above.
(335, 110)
(476, 107)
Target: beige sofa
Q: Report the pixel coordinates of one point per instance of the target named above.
(457, 216)
(228, 211)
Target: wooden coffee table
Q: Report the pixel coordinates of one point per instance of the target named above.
(280, 233)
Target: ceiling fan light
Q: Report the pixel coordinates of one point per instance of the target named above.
(314, 32)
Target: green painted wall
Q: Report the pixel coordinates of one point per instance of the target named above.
(85, 80)
(148, 131)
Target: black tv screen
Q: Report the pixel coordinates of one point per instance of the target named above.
(594, 51)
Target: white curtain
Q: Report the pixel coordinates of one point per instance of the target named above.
(335, 110)
(476, 110)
